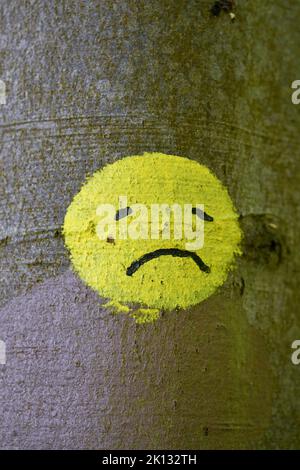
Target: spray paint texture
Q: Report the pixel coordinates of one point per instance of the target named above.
(153, 273)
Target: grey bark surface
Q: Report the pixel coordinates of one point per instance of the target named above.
(87, 83)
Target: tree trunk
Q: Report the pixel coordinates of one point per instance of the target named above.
(87, 83)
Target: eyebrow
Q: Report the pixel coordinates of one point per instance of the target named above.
(202, 215)
(123, 212)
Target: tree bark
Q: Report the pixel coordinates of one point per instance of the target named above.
(87, 83)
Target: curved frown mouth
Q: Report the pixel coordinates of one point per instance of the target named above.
(176, 252)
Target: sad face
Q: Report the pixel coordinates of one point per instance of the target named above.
(154, 230)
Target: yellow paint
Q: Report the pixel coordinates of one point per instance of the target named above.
(141, 315)
(145, 315)
(117, 307)
(166, 282)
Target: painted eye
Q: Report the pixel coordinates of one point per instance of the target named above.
(124, 212)
(202, 215)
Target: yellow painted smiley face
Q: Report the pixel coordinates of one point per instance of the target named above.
(158, 231)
